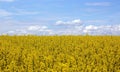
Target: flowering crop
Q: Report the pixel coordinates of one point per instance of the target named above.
(59, 53)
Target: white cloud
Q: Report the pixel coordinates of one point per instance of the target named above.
(17, 32)
(90, 28)
(11, 32)
(74, 30)
(4, 13)
(73, 22)
(102, 30)
(7, 0)
(36, 29)
(98, 4)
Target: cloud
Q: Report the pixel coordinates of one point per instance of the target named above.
(7, 0)
(4, 13)
(11, 32)
(102, 30)
(35, 29)
(73, 22)
(98, 4)
(73, 27)
(74, 30)
(90, 28)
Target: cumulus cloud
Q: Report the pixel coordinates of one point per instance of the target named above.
(98, 4)
(11, 32)
(90, 28)
(76, 30)
(35, 29)
(102, 30)
(17, 32)
(73, 22)
(73, 27)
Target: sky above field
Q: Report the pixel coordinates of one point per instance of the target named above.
(62, 17)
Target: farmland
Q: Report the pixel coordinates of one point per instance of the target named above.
(59, 53)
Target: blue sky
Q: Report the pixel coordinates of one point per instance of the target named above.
(49, 17)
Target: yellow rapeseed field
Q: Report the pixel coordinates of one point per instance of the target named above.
(59, 53)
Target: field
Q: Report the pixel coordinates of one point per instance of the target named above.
(59, 53)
